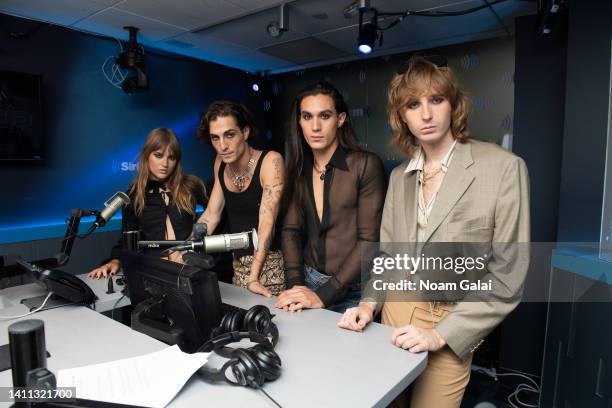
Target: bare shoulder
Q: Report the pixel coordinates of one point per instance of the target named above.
(272, 163)
(271, 159)
(272, 168)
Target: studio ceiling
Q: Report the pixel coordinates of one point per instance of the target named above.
(233, 32)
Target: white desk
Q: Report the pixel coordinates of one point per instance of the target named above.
(322, 364)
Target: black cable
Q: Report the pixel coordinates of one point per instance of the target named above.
(268, 395)
(115, 305)
(407, 13)
(453, 13)
(76, 234)
(178, 278)
(392, 24)
(170, 250)
(88, 233)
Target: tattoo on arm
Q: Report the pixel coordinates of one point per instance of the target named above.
(270, 198)
(278, 167)
(268, 207)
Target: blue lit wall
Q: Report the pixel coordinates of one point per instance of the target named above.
(93, 131)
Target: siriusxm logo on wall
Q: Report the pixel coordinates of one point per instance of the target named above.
(91, 183)
(130, 166)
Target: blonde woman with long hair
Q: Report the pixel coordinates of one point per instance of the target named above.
(163, 197)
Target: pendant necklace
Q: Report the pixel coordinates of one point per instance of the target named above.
(239, 179)
(321, 173)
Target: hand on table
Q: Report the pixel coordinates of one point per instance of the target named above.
(298, 298)
(259, 289)
(356, 318)
(108, 269)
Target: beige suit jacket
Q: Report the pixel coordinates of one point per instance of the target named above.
(484, 197)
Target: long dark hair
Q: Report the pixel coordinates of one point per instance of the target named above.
(296, 147)
(183, 186)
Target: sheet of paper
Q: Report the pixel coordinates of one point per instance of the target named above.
(151, 380)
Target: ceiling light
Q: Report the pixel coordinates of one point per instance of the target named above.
(132, 58)
(368, 33)
(277, 28)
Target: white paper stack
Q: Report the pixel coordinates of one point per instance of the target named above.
(151, 380)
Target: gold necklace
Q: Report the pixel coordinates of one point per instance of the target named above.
(428, 176)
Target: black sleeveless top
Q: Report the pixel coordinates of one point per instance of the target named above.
(243, 208)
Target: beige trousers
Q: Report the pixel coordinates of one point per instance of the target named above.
(443, 382)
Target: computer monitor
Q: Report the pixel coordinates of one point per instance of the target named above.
(174, 303)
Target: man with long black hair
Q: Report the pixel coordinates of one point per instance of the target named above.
(334, 203)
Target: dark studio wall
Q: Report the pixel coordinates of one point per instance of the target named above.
(586, 121)
(91, 128)
(538, 138)
(578, 349)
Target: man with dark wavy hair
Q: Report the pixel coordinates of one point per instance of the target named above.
(249, 185)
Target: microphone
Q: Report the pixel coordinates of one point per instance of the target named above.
(114, 204)
(226, 242)
(208, 245)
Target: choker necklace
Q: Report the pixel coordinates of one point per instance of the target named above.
(321, 173)
(239, 179)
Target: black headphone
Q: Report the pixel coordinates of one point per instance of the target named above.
(257, 319)
(250, 366)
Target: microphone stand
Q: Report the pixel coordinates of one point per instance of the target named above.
(66, 287)
(10, 267)
(72, 232)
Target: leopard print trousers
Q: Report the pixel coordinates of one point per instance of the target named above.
(272, 274)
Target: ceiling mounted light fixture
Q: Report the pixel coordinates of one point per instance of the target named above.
(277, 28)
(368, 32)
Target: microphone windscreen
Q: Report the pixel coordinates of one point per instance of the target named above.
(113, 205)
